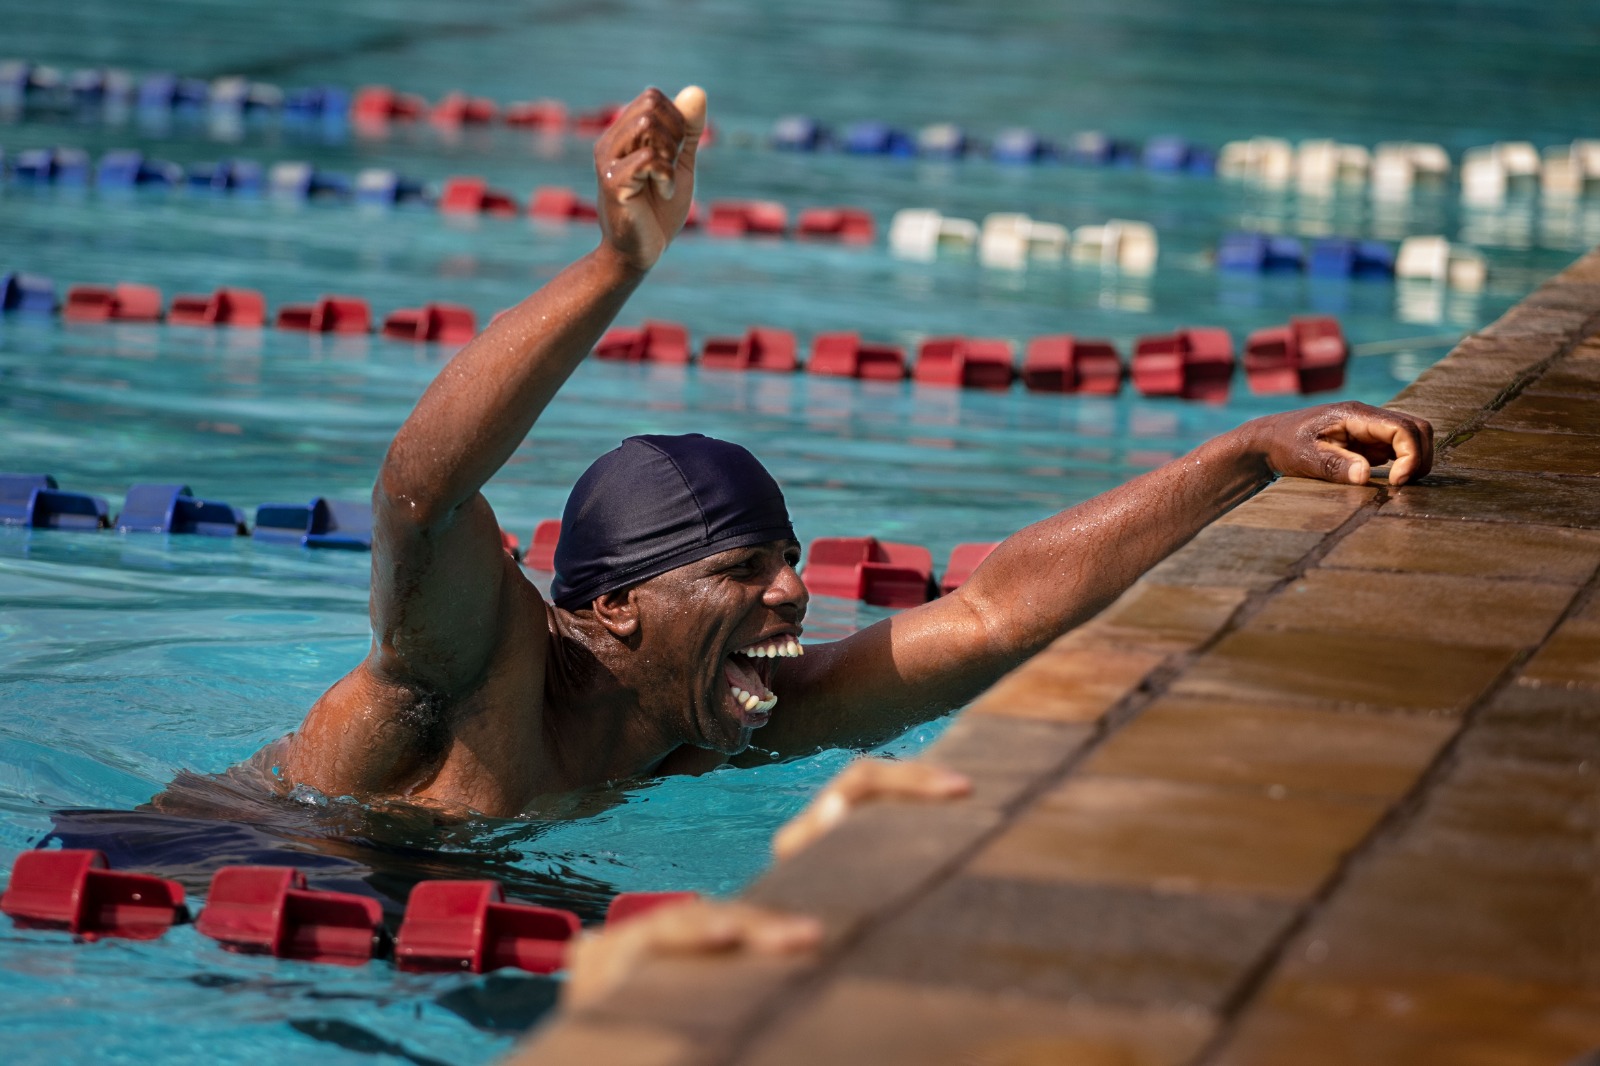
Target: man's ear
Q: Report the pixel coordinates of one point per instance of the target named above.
(619, 612)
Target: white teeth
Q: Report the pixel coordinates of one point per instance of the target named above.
(777, 648)
(750, 701)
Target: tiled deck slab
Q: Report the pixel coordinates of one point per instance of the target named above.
(1324, 787)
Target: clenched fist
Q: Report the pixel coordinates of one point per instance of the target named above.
(645, 165)
(1342, 442)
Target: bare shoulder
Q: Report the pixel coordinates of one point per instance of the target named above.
(373, 733)
(361, 737)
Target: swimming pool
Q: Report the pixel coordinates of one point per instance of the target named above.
(125, 659)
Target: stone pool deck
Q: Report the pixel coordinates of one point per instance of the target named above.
(1323, 787)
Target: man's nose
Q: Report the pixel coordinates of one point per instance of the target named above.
(787, 590)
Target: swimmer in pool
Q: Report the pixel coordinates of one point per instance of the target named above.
(674, 631)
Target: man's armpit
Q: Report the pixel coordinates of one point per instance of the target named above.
(366, 735)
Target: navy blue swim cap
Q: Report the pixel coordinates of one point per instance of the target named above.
(656, 503)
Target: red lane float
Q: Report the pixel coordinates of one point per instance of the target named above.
(1308, 355)
(1066, 364)
(964, 363)
(331, 314)
(446, 323)
(267, 910)
(593, 123)
(459, 109)
(844, 355)
(76, 891)
(240, 308)
(880, 573)
(653, 342)
(747, 218)
(626, 906)
(544, 115)
(849, 224)
(122, 302)
(1194, 364)
(759, 349)
(542, 545)
(558, 203)
(468, 926)
(464, 195)
(964, 559)
(379, 103)
(1324, 352)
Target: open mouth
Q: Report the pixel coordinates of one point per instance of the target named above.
(748, 671)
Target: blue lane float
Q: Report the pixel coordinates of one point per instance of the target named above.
(240, 96)
(1177, 155)
(230, 175)
(877, 138)
(1260, 253)
(1018, 145)
(164, 91)
(90, 87)
(1092, 148)
(376, 185)
(52, 166)
(13, 81)
(1341, 257)
(318, 102)
(322, 523)
(298, 180)
(799, 133)
(28, 293)
(36, 501)
(1328, 257)
(154, 508)
(128, 168)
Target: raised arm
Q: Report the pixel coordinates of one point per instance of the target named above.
(438, 567)
(440, 577)
(1055, 574)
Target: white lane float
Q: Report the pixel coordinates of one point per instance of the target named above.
(921, 233)
(1010, 239)
(1435, 259)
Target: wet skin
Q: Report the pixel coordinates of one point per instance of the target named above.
(478, 694)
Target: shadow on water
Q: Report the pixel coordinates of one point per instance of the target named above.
(203, 822)
(355, 1038)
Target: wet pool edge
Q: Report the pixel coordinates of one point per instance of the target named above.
(1296, 796)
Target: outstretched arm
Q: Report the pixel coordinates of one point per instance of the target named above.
(440, 578)
(1057, 573)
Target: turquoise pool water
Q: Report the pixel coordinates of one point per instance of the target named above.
(125, 660)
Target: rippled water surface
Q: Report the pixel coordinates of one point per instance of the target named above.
(129, 661)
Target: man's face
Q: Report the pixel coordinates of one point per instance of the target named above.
(711, 633)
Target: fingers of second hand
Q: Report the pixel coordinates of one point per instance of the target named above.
(665, 184)
(664, 168)
(630, 174)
